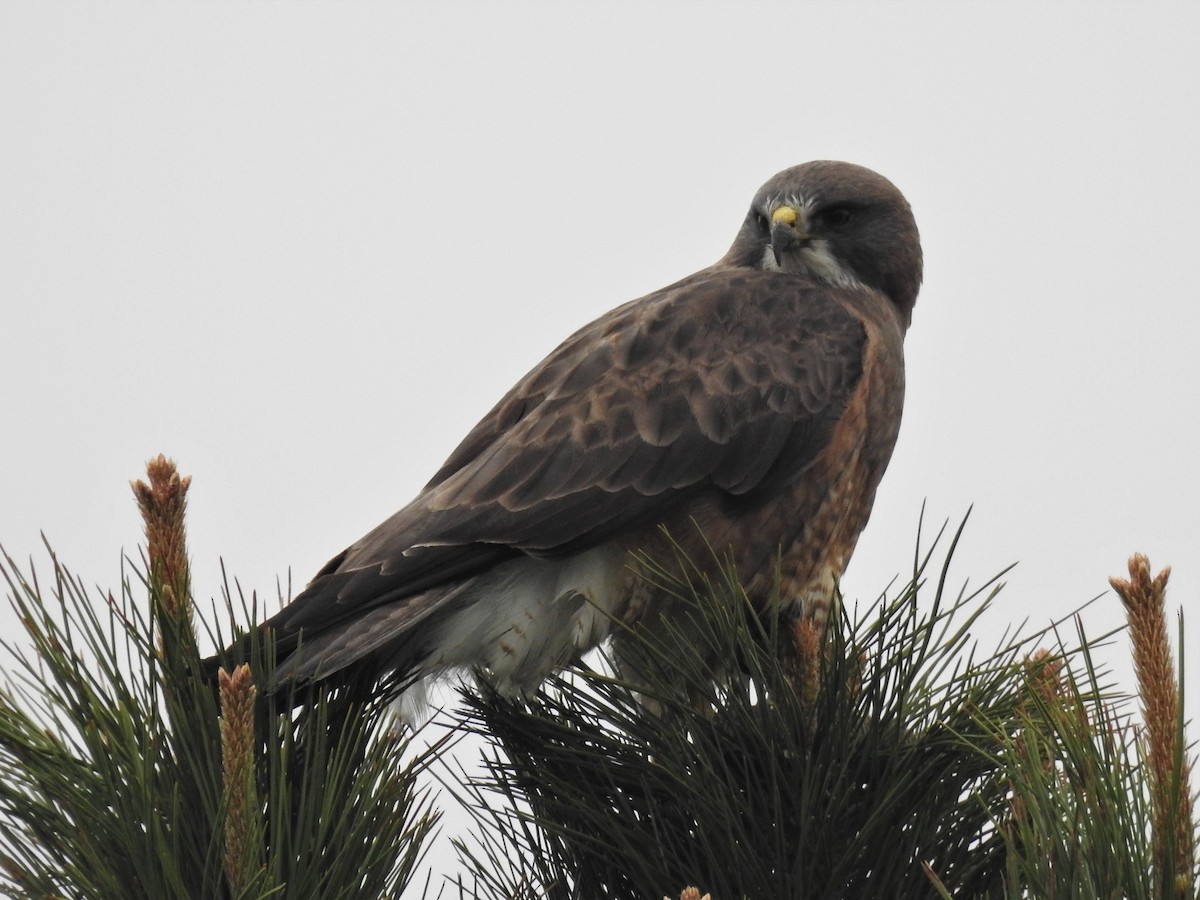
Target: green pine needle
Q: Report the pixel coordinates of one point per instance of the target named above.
(111, 770)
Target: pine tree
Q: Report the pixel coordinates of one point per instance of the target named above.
(889, 758)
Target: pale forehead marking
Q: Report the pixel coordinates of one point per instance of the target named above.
(804, 203)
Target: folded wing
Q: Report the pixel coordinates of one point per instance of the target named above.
(730, 381)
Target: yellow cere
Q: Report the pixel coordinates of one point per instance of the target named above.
(785, 214)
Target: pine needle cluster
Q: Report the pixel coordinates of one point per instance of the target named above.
(894, 760)
(124, 774)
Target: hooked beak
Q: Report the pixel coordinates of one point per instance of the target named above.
(787, 231)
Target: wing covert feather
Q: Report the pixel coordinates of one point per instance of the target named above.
(723, 380)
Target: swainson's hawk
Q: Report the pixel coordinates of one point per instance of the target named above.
(750, 408)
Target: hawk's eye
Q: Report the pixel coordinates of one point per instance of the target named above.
(837, 216)
(761, 221)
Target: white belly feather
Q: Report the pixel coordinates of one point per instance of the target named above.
(523, 618)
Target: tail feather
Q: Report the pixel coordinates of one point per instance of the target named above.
(372, 618)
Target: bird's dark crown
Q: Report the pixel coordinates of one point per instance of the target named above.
(835, 222)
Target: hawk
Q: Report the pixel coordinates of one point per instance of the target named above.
(748, 409)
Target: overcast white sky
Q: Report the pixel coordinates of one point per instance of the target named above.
(301, 248)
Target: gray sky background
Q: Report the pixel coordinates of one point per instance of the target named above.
(302, 248)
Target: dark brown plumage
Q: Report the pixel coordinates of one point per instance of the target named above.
(753, 405)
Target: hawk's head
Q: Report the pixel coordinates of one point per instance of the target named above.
(834, 222)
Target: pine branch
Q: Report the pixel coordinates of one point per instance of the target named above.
(757, 785)
(897, 761)
(114, 777)
(1174, 826)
